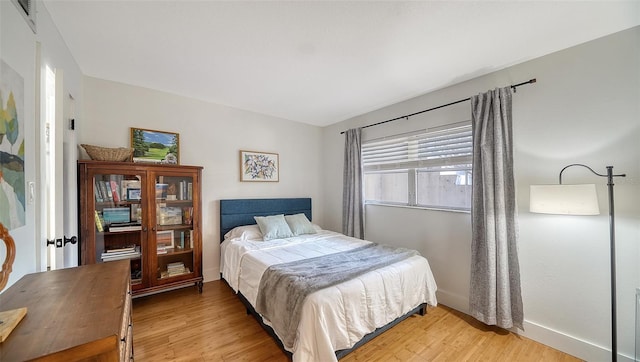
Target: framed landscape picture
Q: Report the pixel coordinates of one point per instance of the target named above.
(155, 146)
(164, 241)
(259, 166)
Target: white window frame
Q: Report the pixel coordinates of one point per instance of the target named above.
(446, 148)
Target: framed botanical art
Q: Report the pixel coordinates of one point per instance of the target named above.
(155, 146)
(259, 166)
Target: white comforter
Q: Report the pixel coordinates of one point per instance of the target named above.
(334, 318)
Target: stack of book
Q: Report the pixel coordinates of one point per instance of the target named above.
(174, 269)
(107, 190)
(116, 215)
(164, 249)
(115, 227)
(128, 252)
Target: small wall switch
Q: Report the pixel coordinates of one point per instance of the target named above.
(31, 199)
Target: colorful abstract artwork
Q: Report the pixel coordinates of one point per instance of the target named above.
(259, 166)
(12, 179)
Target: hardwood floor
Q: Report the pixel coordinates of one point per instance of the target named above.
(183, 325)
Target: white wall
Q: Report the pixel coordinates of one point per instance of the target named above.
(211, 136)
(585, 108)
(18, 50)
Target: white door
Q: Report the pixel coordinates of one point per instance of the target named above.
(57, 226)
(70, 183)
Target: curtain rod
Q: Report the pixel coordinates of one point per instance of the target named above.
(514, 87)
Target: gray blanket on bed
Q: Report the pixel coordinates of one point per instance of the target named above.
(284, 287)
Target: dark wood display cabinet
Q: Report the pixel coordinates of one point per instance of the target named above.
(148, 214)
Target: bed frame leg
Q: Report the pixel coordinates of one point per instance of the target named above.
(423, 311)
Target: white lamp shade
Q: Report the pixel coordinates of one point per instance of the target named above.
(564, 199)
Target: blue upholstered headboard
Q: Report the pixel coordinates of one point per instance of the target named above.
(238, 212)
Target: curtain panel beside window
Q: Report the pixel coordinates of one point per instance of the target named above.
(352, 200)
(495, 297)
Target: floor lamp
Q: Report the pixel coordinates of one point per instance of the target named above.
(581, 200)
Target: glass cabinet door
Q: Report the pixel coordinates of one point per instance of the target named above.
(118, 221)
(174, 240)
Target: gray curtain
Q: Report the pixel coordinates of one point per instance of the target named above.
(495, 297)
(352, 195)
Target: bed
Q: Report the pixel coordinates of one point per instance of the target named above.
(332, 320)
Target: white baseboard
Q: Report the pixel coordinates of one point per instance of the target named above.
(568, 344)
(457, 302)
(585, 350)
(210, 274)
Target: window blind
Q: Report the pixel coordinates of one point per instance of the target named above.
(428, 149)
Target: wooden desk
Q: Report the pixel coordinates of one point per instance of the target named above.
(74, 314)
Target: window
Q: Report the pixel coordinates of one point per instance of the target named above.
(429, 169)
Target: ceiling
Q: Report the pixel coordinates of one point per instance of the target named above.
(320, 62)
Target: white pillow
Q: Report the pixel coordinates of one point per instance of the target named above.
(246, 232)
(299, 224)
(273, 227)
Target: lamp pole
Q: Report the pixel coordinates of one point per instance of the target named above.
(612, 242)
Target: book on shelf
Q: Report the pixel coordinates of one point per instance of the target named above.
(112, 215)
(127, 252)
(124, 226)
(174, 269)
(186, 240)
(177, 271)
(122, 249)
(187, 215)
(115, 191)
(164, 249)
(99, 226)
(97, 193)
(185, 190)
(126, 223)
(121, 229)
(121, 256)
(165, 275)
(105, 190)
